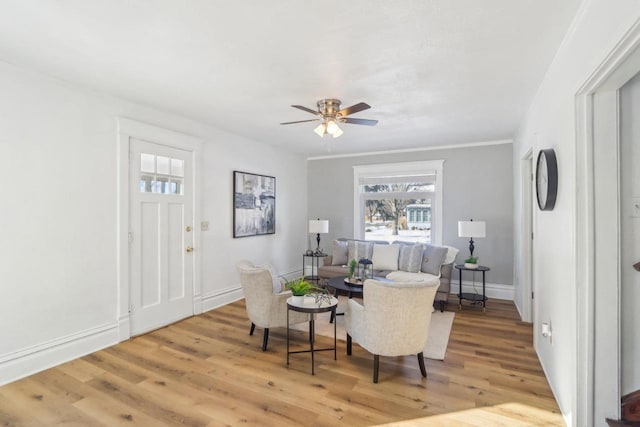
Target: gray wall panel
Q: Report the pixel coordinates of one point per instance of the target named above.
(478, 183)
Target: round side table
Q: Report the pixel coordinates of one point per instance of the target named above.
(311, 307)
(468, 295)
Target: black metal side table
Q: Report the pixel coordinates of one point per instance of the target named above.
(315, 263)
(471, 296)
(311, 307)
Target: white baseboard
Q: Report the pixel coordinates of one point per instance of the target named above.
(492, 290)
(293, 274)
(220, 298)
(22, 363)
(197, 304)
(124, 327)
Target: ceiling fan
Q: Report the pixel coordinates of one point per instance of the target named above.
(331, 114)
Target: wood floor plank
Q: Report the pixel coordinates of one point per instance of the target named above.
(208, 371)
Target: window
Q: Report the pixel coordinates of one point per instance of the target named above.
(162, 175)
(399, 201)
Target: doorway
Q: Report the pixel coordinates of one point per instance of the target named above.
(599, 243)
(630, 234)
(526, 248)
(161, 236)
(158, 244)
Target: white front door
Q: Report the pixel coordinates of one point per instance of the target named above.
(161, 238)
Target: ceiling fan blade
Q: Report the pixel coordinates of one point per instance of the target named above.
(299, 121)
(365, 122)
(354, 109)
(308, 110)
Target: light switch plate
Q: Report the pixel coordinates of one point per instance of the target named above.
(204, 226)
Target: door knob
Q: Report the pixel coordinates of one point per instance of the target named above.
(189, 248)
(637, 266)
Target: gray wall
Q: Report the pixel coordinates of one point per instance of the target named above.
(478, 184)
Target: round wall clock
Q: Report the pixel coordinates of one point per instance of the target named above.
(546, 179)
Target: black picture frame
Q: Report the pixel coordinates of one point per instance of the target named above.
(254, 204)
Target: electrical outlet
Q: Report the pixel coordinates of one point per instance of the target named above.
(547, 332)
(204, 226)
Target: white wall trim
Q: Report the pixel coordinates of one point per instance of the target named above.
(616, 69)
(413, 150)
(407, 168)
(526, 229)
(566, 416)
(292, 274)
(28, 361)
(492, 290)
(222, 297)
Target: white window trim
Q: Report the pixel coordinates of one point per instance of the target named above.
(427, 167)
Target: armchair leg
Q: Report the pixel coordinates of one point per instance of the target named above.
(253, 328)
(348, 345)
(265, 338)
(442, 306)
(376, 365)
(423, 370)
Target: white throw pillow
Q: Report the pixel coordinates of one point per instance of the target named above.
(339, 252)
(385, 257)
(451, 254)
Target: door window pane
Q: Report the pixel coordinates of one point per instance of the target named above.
(177, 167)
(146, 183)
(176, 186)
(163, 165)
(147, 163)
(161, 175)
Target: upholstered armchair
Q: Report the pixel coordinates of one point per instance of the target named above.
(265, 299)
(393, 320)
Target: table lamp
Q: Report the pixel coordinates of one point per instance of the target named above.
(318, 226)
(471, 229)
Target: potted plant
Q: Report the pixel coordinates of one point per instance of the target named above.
(352, 268)
(471, 262)
(299, 288)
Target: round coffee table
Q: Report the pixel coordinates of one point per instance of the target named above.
(339, 284)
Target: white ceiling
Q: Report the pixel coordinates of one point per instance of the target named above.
(435, 72)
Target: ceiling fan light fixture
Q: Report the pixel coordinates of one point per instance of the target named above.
(331, 115)
(321, 130)
(332, 127)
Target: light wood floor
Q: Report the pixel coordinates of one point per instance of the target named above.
(208, 371)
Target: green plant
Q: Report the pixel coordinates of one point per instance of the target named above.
(352, 267)
(471, 260)
(300, 287)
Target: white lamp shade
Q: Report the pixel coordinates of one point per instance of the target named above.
(321, 130)
(318, 226)
(471, 229)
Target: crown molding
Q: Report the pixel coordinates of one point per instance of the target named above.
(413, 150)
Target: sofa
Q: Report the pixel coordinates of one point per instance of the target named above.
(397, 261)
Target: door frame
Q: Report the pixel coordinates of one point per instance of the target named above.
(526, 242)
(127, 129)
(597, 392)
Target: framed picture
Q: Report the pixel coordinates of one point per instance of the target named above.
(254, 204)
